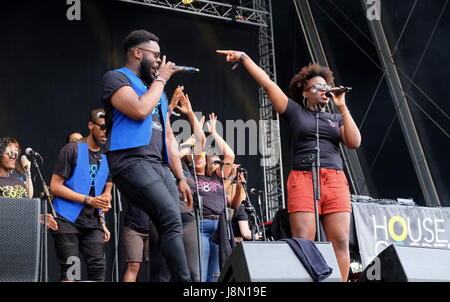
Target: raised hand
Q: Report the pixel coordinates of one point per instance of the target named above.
(185, 105)
(202, 121)
(176, 97)
(211, 124)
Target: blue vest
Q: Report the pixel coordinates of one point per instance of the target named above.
(80, 182)
(128, 133)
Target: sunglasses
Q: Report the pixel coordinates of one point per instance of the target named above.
(319, 87)
(12, 155)
(102, 126)
(156, 54)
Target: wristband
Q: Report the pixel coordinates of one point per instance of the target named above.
(86, 199)
(238, 62)
(159, 79)
(342, 114)
(180, 179)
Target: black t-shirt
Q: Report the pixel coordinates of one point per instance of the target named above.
(239, 215)
(303, 126)
(120, 159)
(65, 166)
(12, 187)
(136, 218)
(211, 191)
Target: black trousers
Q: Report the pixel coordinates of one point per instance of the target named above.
(87, 241)
(158, 267)
(151, 187)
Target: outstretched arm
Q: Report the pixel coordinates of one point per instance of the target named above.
(221, 144)
(197, 126)
(276, 96)
(175, 164)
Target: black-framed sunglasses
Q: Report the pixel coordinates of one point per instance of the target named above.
(102, 126)
(156, 54)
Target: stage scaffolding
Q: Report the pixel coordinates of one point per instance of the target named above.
(257, 13)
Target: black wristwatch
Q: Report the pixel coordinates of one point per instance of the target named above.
(180, 179)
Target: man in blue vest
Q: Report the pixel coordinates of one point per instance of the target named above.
(82, 188)
(142, 146)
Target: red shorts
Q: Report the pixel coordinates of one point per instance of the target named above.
(334, 192)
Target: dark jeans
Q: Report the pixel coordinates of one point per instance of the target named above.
(90, 243)
(151, 187)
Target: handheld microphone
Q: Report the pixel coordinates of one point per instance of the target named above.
(190, 146)
(187, 68)
(31, 152)
(256, 192)
(338, 91)
(243, 170)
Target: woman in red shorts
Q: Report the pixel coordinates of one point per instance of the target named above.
(308, 92)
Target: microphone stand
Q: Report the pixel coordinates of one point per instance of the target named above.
(117, 210)
(315, 171)
(47, 198)
(198, 209)
(227, 213)
(251, 210)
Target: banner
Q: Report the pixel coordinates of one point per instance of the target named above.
(378, 226)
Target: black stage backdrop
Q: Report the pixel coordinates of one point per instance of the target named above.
(52, 69)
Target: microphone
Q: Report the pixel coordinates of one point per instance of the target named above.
(256, 192)
(190, 146)
(187, 68)
(243, 170)
(338, 91)
(31, 152)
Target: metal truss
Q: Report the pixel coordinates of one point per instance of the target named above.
(259, 13)
(271, 145)
(238, 11)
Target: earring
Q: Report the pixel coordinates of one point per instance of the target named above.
(305, 102)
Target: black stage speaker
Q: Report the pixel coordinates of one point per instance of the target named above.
(272, 261)
(19, 239)
(408, 264)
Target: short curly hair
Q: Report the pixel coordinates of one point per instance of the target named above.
(138, 37)
(308, 72)
(5, 142)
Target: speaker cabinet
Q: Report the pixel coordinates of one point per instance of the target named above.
(19, 239)
(273, 261)
(408, 264)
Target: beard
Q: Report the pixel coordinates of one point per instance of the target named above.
(145, 70)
